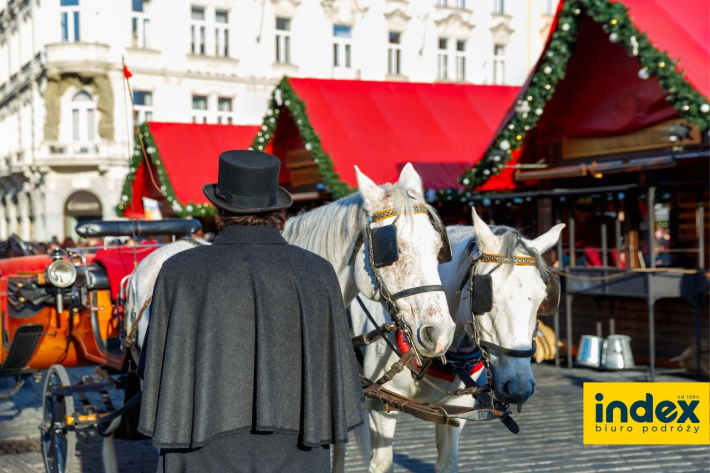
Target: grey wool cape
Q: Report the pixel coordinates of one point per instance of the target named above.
(248, 334)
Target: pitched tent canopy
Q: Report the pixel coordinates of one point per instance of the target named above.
(183, 156)
(380, 126)
(608, 68)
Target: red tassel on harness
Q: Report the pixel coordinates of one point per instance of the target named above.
(433, 370)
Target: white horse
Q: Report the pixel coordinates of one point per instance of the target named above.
(331, 232)
(517, 293)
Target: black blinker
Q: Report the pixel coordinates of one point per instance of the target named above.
(384, 248)
(482, 297)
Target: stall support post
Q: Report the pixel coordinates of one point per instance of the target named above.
(617, 236)
(651, 329)
(568, 296)
(599, 317)
(697, 303)
(571, 237)
(556, 319)
(605, 248)
(612, 321)
(651, 201)
(559, 240)
(701, 231)
(568, 310)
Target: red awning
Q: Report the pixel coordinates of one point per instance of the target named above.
(682, 29)
(186, 154)
(442, 129)
(603, 91)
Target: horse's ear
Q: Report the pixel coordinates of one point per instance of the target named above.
(484, 235)
(409, 179)
(548, 239)
(372, 196)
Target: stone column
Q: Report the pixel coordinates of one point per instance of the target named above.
(40, 217)
(3, 217)
(24, 207)
(10, 202)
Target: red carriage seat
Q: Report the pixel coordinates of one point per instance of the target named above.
(119, 262)
(34, 263)
(10, 266)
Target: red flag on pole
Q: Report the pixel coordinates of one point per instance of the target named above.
(126, 73)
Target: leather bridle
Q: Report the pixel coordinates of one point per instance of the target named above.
(390, 299)
(472, 327)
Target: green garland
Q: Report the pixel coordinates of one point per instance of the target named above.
(691, 104)
(285, 97)
(180, 209)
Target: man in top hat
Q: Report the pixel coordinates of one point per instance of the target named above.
(247, 364)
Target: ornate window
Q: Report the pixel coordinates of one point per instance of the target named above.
(140, 24)
(83, 112)
(342, 45)
(199, 109)
(197, 31)
(442, 70)
(498, 64)
(221, 33)
(394, 54)
(143, 102)
(224, 110)
(460, 60)
(283, 40)
(452, 3)
(69, 14)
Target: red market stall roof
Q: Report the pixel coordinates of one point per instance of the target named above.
(183, 156)
(441, 128)
(608, 68)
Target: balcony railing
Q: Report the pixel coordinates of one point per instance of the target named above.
(71, 153)
(71, 56)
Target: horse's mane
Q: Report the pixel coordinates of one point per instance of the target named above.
(510, 244)
(330, 230)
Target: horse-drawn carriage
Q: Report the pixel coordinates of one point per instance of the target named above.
(63, 310)
(66, 310)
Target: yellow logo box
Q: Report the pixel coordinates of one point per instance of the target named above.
(647, 413)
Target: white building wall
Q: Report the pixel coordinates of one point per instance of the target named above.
(38, 171)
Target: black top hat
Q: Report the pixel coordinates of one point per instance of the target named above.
(248, 182)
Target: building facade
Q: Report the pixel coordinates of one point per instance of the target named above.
(66, 125)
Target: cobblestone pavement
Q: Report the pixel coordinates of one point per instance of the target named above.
(550, 438)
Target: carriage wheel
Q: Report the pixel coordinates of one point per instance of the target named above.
(58, 443)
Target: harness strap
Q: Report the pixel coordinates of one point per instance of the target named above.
(356, 247)
(373, 335)
(526, 353)
(134, 330)
(417, 290)
(485, 398)
(377, 327)
(127, 406)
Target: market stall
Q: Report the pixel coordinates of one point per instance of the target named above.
(321, 129)
(609, 135)
(179, 159)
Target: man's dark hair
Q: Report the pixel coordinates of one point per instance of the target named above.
(276, 219)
